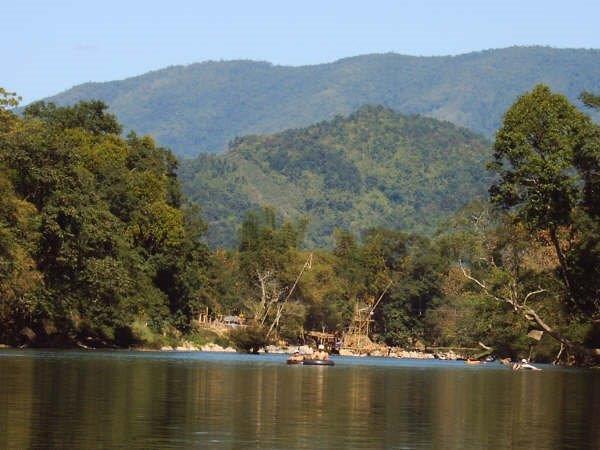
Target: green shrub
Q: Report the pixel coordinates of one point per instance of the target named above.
(143, 334)
(250, 339)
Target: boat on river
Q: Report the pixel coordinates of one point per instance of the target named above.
(311, 362)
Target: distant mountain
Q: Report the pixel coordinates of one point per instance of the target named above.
(200, 107)
(373, 168)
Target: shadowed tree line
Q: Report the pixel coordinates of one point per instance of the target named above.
(98, 244)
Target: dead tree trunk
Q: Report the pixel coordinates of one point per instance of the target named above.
(269, 294)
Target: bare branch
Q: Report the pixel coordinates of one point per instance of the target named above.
(485, 347)
(529, 313)
(482, 285)
(539, 291)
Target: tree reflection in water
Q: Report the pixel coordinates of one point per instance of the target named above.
(122, 399)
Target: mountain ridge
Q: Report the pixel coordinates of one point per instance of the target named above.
(202, 106)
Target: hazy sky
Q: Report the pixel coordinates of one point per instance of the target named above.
(50, 45)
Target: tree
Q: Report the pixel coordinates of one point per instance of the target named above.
(509, 278)
(21, 292)
(534, 155)
(547, 155)
(109, 238)
(21, 287)
(404, 268)
(90, 115)
(584, 258)
(267, 252)
(249, 340)
(8, 100)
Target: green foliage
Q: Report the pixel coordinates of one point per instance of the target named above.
(373, 168)
(201, 336)
(8, 101)
(266, 244)
(509, 262)
(201, 107)
(268, 265)
(98, 244)
(139, 333)
(547, 154)
(533, 152)
(93, 228)
(413, 295)
(21, 289)
(91, 115)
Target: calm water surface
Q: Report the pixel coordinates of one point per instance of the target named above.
(71, 399)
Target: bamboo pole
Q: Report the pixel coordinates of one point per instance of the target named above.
(307, 265)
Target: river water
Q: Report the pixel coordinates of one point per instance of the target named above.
(121, 399)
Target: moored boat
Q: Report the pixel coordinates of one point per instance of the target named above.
(311, 362)
(318, 362)
(294, 361)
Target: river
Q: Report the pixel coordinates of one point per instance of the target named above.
(122, 399)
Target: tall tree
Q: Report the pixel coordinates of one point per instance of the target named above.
(534, 155)
(585, 256)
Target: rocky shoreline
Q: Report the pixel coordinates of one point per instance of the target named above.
(307, 350)
(190, 347)
(384, 352)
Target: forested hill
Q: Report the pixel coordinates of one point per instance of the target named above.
(94, 239)
(200, 107)
(373, 168)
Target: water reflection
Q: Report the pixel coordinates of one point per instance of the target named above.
(94, 400)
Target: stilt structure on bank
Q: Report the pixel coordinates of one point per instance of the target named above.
(356, 340)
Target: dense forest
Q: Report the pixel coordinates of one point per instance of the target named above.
(97, 244)
(201, 107)
(95, 240)
(373, 168)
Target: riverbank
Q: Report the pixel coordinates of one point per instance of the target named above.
(212, 347)
(308, 350)
(187, 346)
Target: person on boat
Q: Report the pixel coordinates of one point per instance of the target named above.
(525, 365)
(297, 356)
(321, 354)
(473, 361)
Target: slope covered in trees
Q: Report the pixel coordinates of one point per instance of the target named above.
(95, 243)
(519, 273)
(373, 168)
(201, 107)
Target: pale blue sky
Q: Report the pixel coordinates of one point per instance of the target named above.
(50, 45)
